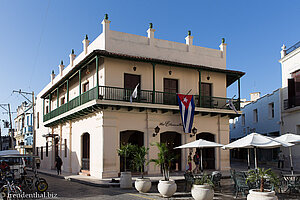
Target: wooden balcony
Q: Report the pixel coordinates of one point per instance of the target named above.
(144, 96)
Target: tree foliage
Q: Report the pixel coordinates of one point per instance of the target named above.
(260, 176)
(164, 159)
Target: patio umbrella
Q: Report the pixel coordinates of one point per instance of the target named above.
(256, 140)
(291, 138)
(200, 144)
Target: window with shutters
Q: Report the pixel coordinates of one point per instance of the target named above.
(66, 149)
(271, 110)
(42, 153)
(255, 116)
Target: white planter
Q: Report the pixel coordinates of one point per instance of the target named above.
(142, 185)
(202, 192)
(167, 188)
(125, 180)
(257, 195)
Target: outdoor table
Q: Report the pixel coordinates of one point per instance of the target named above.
(292, 182)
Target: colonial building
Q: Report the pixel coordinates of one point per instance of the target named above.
(84, 114)
(260, 115)
(290, 68)
(23, 130)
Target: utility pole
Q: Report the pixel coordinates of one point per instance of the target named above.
(33, 116)
(0, 139)
(11, 129)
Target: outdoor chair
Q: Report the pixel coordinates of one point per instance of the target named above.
(216, 179)
(241, 185)
(189, 180)
(293, 185)
(232, 175)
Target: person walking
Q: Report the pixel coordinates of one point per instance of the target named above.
(190, 162)
(58, 164)
(281, 160)
(197, 162)
(38, 163)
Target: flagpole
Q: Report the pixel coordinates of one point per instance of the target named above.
(248, 158)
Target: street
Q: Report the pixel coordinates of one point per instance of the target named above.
(71, 190)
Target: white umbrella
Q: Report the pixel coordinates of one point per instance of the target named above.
(256, 140)
(291, 138)
(200, 144)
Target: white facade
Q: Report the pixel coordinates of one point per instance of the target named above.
(290, 64)
(23, 127)
(69, 114)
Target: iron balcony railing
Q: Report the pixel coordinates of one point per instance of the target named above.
(292, 48)
(291, 102)
(143, 96)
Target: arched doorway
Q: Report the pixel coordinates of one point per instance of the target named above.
(207, 153)
(85, 153)
(133, 137)
(173, 139)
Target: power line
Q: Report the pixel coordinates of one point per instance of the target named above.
(39, 44)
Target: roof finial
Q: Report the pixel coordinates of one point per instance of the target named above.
(189, 32)
(72, 51)
(86, 37)
(223, 40)
(106, 16)
(52, 71)
(61, 62)
(150, 25)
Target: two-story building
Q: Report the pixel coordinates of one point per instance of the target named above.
(84, 114)
(290, 69)
(23, 131)
(259, 115)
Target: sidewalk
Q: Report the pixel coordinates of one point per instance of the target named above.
(178, 177)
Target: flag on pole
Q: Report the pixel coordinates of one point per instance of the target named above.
(134, 93)
(231, 106)
(187, 109)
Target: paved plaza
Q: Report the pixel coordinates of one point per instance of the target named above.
(66, 189)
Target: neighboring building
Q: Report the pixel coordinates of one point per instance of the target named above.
(260, 115)
(5, 143)
(84, 114)
(290, 67)
(23, 132)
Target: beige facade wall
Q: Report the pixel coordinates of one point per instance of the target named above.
(105, 127)
(188, 79)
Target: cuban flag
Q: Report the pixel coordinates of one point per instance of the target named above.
(187, 108)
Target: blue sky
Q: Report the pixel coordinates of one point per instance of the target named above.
(36, 35)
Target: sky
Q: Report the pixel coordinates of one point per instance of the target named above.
(35, 35)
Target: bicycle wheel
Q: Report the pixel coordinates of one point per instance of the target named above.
(39, 180)
(42, 186)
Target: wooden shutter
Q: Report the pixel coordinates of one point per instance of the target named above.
(291, 92)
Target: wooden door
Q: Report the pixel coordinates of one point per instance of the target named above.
(206, 93)
(130, 82)
(170, 91)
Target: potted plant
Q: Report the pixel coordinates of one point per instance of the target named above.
(125, 179)
(203, 188)
(166, 187)
(139, 161)
(261, 177)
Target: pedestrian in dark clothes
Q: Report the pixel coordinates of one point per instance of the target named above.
(58, 164)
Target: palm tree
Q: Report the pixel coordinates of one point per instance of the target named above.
(260, 175)
(139, 159)
(164, 159)
(125, 151)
